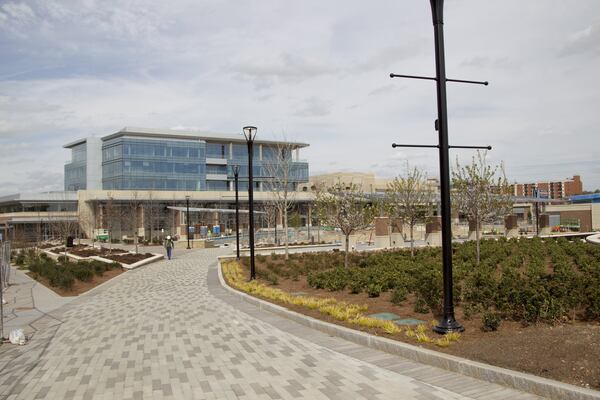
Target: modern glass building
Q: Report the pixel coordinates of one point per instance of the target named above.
(153, 159)
(83, 172)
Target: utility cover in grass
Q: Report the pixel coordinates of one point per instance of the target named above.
(298, 294)
(409, 321)
(386, 316)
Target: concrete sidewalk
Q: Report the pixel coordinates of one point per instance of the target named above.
(170, 331)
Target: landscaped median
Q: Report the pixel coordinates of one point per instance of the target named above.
(79, 269)
(348, 314)
(531, 307)
(127, 259)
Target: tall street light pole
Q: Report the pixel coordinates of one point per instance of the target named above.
(250, 134)
(448, 322)
(236, 174)
(187, 219)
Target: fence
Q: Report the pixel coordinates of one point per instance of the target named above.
(4, 279)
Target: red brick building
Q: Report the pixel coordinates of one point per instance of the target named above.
(552, 190)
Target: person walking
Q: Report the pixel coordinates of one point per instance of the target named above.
(169, 246)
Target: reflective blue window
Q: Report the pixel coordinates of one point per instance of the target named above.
(217, 150)
(137, 163)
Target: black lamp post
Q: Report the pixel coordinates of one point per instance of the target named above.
(250, 134)
(187, 219)
(448, 322)
(236, 174)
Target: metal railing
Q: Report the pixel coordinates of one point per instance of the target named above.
(4, 279)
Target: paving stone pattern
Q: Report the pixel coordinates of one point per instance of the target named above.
(168, 331)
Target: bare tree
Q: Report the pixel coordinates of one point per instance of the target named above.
(270, 215)
(64, 227)
(152, 214)
(134, 204)
(280, 168)
(410, 198)
(481, 192)
(112, 213)
(344, 207)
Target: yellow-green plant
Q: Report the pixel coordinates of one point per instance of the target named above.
(422, 338)
(339, 310)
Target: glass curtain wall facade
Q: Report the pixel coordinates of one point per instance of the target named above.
(76, 170)
(153, 164)
(263, 168)
(168, 160)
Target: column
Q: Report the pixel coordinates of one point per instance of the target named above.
(433, 232)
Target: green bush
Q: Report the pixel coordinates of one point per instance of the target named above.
(399, 295)
(62, 280)
(421, 306)
(530, 280)
(82, 271)
(374, 289)
(20, 258)
(355, 286)
(267, 276)
(490, 321)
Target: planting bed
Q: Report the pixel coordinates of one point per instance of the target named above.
(128, 258)
(69, 278)
(530, 305)
(87, 251)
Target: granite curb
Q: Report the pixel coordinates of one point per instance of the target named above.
(489, 373)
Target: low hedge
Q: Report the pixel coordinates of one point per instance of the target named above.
(527, 280)
(63, 275)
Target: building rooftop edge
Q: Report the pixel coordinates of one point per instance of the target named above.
(74, 143)
(184, 134)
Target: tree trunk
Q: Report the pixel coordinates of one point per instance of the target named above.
(347, 249)
(285, 229)
(477, 240)
(412, 241)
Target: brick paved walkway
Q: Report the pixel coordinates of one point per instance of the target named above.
(168, 331)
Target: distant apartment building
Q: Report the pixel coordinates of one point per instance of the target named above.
(551, 190)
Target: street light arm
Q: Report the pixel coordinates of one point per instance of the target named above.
(435, 146)
(431, 78)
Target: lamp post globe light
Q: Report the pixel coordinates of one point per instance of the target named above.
(187, 219)
(250, 134)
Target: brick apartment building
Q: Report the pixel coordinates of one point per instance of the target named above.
(553, 190)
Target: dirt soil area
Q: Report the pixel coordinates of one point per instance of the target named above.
(87, 251)
(80, 287)
(567, 352)
(128, 258)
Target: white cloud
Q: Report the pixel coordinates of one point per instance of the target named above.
(316, 70)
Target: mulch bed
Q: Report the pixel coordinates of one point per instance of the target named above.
(87, 251)
(80, 287)
(128, 258)
(567, 352)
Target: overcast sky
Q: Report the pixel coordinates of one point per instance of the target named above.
(312, 71)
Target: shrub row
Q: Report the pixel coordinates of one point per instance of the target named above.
(525, 280)
(64, 274)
